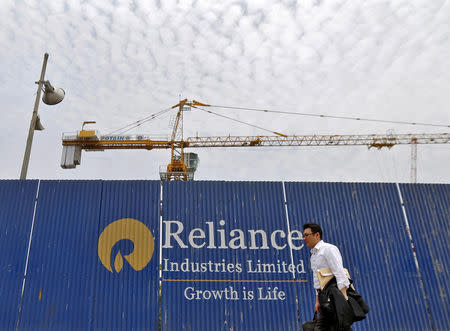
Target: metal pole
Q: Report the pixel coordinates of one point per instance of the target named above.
(26, 157)
(414, 160)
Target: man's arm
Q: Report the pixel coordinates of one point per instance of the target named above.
(334, 260)
(317, 305)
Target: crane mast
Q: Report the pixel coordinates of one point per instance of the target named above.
(177, 169)
(182, 166)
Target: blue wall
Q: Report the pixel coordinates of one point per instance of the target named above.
(428, 212)
(239, 205)
(17, 201)
(216, 255)
(366, 222)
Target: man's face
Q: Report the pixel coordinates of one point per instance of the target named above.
(311, 239)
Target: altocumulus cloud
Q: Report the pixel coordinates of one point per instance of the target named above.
(124, 60)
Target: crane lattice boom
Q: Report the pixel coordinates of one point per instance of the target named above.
(373, 140)
(145, 142)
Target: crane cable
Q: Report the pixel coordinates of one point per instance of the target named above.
(137, 123)
(331, 116)
(242, 122)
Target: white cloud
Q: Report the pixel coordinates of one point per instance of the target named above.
(122, 60)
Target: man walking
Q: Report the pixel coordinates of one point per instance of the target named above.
(324, 256)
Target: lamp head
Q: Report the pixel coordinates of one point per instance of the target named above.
(52, 95)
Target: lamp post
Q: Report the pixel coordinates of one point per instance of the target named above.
(52, 96)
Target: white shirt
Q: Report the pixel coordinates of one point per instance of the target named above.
(325, 255)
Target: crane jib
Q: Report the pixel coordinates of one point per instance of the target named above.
(178, 169)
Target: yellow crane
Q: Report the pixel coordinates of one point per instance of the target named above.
(182, 165)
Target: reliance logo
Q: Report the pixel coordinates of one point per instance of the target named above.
(131, 229)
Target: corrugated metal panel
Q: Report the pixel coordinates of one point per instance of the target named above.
(58, 292)
(69, 287)
(428, 211)
(128, 299)
(366, 222)
(16, 214)
(241, 205)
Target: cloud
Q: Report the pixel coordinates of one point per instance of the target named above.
(119, 61)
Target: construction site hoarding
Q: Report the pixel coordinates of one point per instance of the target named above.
(226, 257)
(17, 202)
(428, 215)
(365, 221)
(149, 255)
(126, 293)
(89, 240)
(61, 266)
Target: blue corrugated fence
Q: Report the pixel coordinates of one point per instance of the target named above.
(365, 221)
(119, 255)
(17, 203)
(428, 212)
(229, 270)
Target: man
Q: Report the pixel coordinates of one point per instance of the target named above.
(323, 256)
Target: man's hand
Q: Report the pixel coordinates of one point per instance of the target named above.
(317, 307)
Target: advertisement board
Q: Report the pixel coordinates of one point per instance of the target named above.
(150, 255)
(227, 258)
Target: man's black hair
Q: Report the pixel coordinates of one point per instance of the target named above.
(314, 228)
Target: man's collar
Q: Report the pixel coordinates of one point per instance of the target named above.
(316, 248)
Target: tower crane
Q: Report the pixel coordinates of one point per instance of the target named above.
(182, 165)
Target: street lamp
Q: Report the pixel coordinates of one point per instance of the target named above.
(52, 96)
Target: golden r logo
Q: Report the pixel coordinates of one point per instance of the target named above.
(126, 228)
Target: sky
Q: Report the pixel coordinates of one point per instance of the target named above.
(121, 61)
